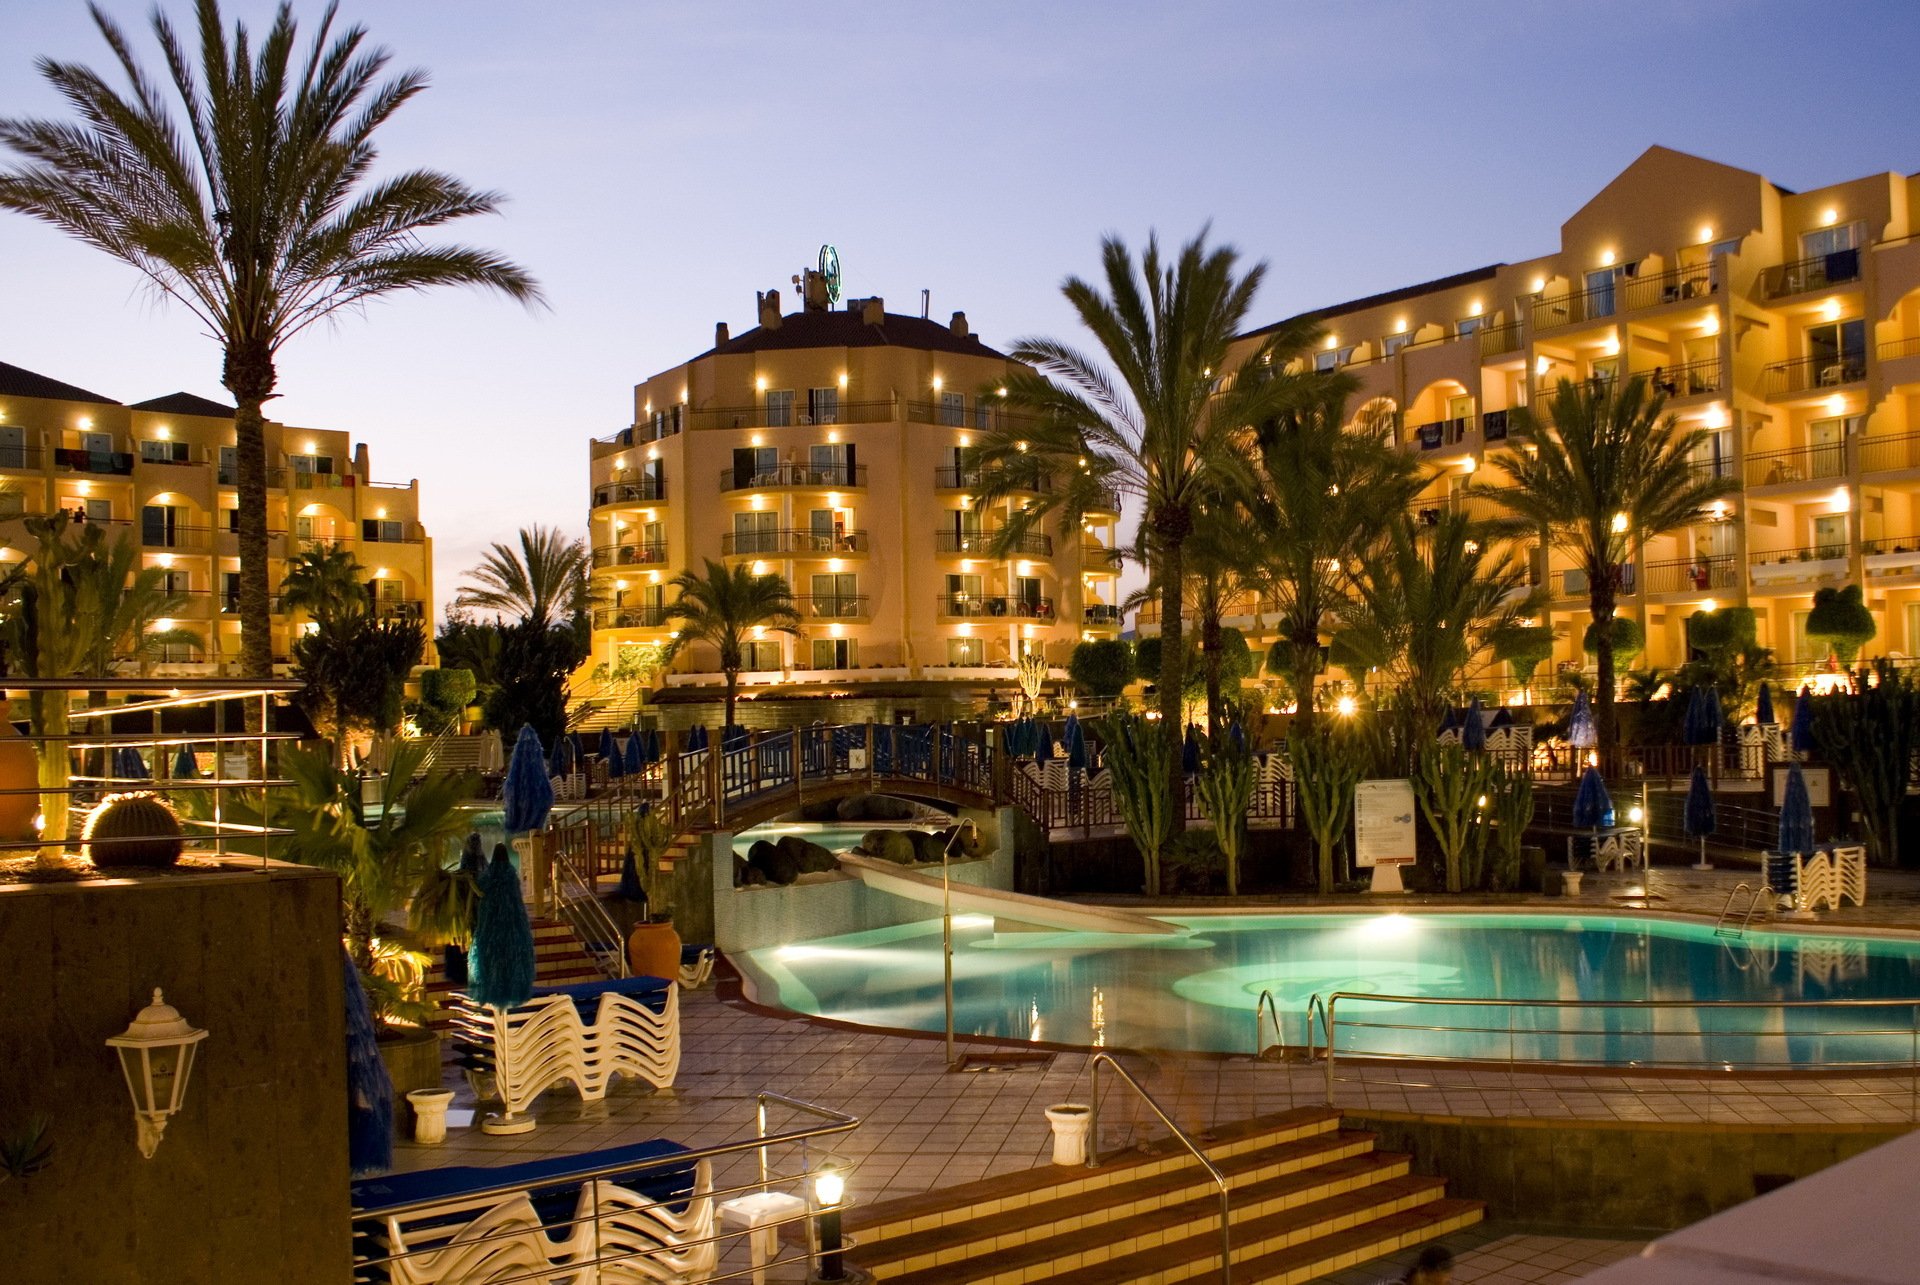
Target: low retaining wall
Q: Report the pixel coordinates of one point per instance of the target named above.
(1613, 1175)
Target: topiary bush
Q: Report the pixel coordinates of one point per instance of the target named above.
(131, 830)
(1629, 640)
(1841, 620)
(1102, 668)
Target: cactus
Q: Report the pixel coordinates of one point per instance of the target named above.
(136, 829)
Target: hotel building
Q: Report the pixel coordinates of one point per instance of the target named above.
(829, 446)
(1785, 324)
(164, 470)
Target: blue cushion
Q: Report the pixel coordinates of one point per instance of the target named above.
(555, 1174)
(690, 952)
(586, 995)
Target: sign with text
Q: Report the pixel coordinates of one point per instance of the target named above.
(1819, 786)
(1383, 822)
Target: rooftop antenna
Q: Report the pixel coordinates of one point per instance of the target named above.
(926, 303)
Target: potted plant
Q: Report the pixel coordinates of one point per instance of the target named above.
(653, 947)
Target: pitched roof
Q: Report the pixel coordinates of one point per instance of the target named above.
(1381, 300)
(186, 404)
(17, 381)
(847, 330)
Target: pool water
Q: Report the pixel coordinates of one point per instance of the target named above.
(1198, 991)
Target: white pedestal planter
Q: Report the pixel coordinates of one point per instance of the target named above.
(1570, 883)
(1069, 1121)
(430, 1115)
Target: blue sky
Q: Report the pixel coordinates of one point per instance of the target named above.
(663, 162)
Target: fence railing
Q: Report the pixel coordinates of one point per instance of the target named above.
(1882, 454)
(808, 476)
(630, 555)
(1506, 337)
(1815, 273)
(1034, 544)
(786, 543)
(1796, 464)
(1689, 379)
(833, 606)
(1805, 374)
(646, 490)
(1682, 575)
(970, 607)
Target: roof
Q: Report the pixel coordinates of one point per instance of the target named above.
(1382, 300)
(847, 330)
(16, 381)
(186, 404)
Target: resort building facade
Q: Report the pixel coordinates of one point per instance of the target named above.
(164, 470)
(830, 446)
(1787, 325)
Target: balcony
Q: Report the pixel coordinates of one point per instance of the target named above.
(1796, 570)
(400, 609)
(1441, 433)
(1101, 615)
(303, 481)
(1689, 379)
(1574, 583)
(834, 606)
(1718, 467)
(806, 477)
(381, 531)
(630, 617)
(1495, 425)
(1889, 454)
(20, 459)
(789, 416)
(1820, 272)
(1105, 501)
(949, 477)
(1694, 575)
(961, 606)
(630, 555)
(1815, 374)
(276, 478)
(1893, 558)
(793, 543)
(1506, 337)
(1796, 464)
(191, 539)
(110, 463)
(645, 490)
(1675, 285)
(979, 544)
(1098, 558)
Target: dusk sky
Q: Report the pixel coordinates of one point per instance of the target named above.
(664, 162)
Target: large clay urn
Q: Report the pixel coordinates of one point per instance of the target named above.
(653, 950)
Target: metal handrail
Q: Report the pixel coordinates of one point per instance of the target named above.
(1316, 1004)
(1213, 1170)
(1754, 896)
(1266, 1003)
(578, 901)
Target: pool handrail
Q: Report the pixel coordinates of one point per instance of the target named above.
(1261, 1007)
(1213, 1170)
(1316, 1004)
(1911, 1003)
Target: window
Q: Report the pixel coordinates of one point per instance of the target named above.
(1913, 627)
(322, 464)
(1600, 292)
(836, 595)
(756, 532)
(1837, 351)
(835, 653)
(1729, 246)
(762, 655)
(1606, 369)
(302, 527)
(1394, 343)
(830, 463)
(779, 408)
(1026, 590)
(1830, 536)
(653, 542)
(97, 510)
(1827, 444)
(229, 466)
(1470, 325)
(966, 651)
(953, 410)
(1332, 358)
(1824, 241)
(232, 520)
(823, 405)
(229, 592)
(1803, 647)
(982, 414)
(175, 582)
(12, 504)
(754, 466)
(827, 530)
(963, 534)
(1714, 456)
(964, 595)
(160, 525)
(159, 452)
(382, 531)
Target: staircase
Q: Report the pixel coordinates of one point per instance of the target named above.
(559, 957)
(1308, 1198)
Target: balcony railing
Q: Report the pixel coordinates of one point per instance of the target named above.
(1100, 613)
(400, 609)
(629, 617)
(1693, 575)
(1796, 464)
(949, 477)
(375, 532)
(792, 543)
(276, 478)
(630, 555)
(1441, 433)
(1767, 568)
(808, 476)
(1495, 425)
(797, 414)
(303, 481)
(193, 538)
(645, 490)
(1034, 544)
(20, 459)
(967, 606)
(1890, 544)
(113, 463)
(1720, 467)
(1107, 501)
(1100, 557)
(1508, 336)
(1689, 379)
(1885, 454)
(836, 606)
(1895, 349)
(1805, 374)
(1574, 584)
(1675, 285)
(1817, 273)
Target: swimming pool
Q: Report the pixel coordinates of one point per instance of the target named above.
(1198, 991)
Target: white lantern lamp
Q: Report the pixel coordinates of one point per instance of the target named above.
(156, 1057)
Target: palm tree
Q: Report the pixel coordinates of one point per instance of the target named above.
(545, 576)
(1602, 472)
(1428, 601)
(1167, 426)
(249, 202)
(723, 607)
(1327, 489)
(324, 582)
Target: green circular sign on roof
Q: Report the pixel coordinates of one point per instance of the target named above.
(830, 271)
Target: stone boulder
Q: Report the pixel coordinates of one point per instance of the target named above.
(889, 845)
(824, 810)
(808, 855)
(746, 875)
(780, 867)
(929, 847)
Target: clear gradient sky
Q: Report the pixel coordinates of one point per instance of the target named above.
(665, 161)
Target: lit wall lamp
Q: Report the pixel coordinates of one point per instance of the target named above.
(156, 1057)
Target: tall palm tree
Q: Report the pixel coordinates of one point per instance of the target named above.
(1602, 472)
(1166, 426)
(544, 577)
(1429, 600)
(1327, 490)
(249, 202)
(324, 582)
(722, 606)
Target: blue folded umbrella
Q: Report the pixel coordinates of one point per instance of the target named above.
(1473, 730)
(1042, 744)
(1701, 726)
(636, 757)
(1796, 816)
(1581, 733)
(1076, 739)
(1763, 709)
(608, 746)
(1592, 806)
(1800, 731)
(186, 767)
(1190, 751)
(526, 794)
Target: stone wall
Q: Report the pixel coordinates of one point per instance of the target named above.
(250, 1182)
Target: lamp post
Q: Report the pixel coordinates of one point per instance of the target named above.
(829, 1188)
(156, 1057)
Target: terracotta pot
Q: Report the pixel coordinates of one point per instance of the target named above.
(19, 785)
(653, 950)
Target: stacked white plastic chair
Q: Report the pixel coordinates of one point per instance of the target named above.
(1850, 873)
(618, 1237)
(699, 972)
(545, 1042)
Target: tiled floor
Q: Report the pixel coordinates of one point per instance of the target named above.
(1490, 1255)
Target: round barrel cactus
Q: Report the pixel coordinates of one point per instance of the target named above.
(134, 829)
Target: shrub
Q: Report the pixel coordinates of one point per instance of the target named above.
(1841, 620)
(1629, 640)
(1102, 668)
(444, 693)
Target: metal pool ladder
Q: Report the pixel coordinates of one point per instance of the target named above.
(1726, 925)
(1180, 1135)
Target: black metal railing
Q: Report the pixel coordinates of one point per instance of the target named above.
(1675, 285)
(1796, 464)
(1693, 575)
(1688, 379)
(793, 414)
(1805, 374)
(1891, 544)
(1816, 273)
(788, 543)
(1100, 613)
(1894, 349)
(1441, 433)
(1883, 454)
(194, 538)
(832, 606)
(1806, 554)
(629, 617)
(652, 553)
(1100, 557)
(645, 490)
(1034, 544)
(1574, 584)
(968, 606)
(806, 476)
(116, 463)
(1507, 336)
(951, 477)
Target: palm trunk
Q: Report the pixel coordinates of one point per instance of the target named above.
(733, 689)
(1600, 602)
(1306, 668)
(360, 930)
(249, 376)
(1173, 676)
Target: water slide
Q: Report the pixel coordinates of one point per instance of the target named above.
(1042, 912)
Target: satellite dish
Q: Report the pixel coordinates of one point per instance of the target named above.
(830, 272)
